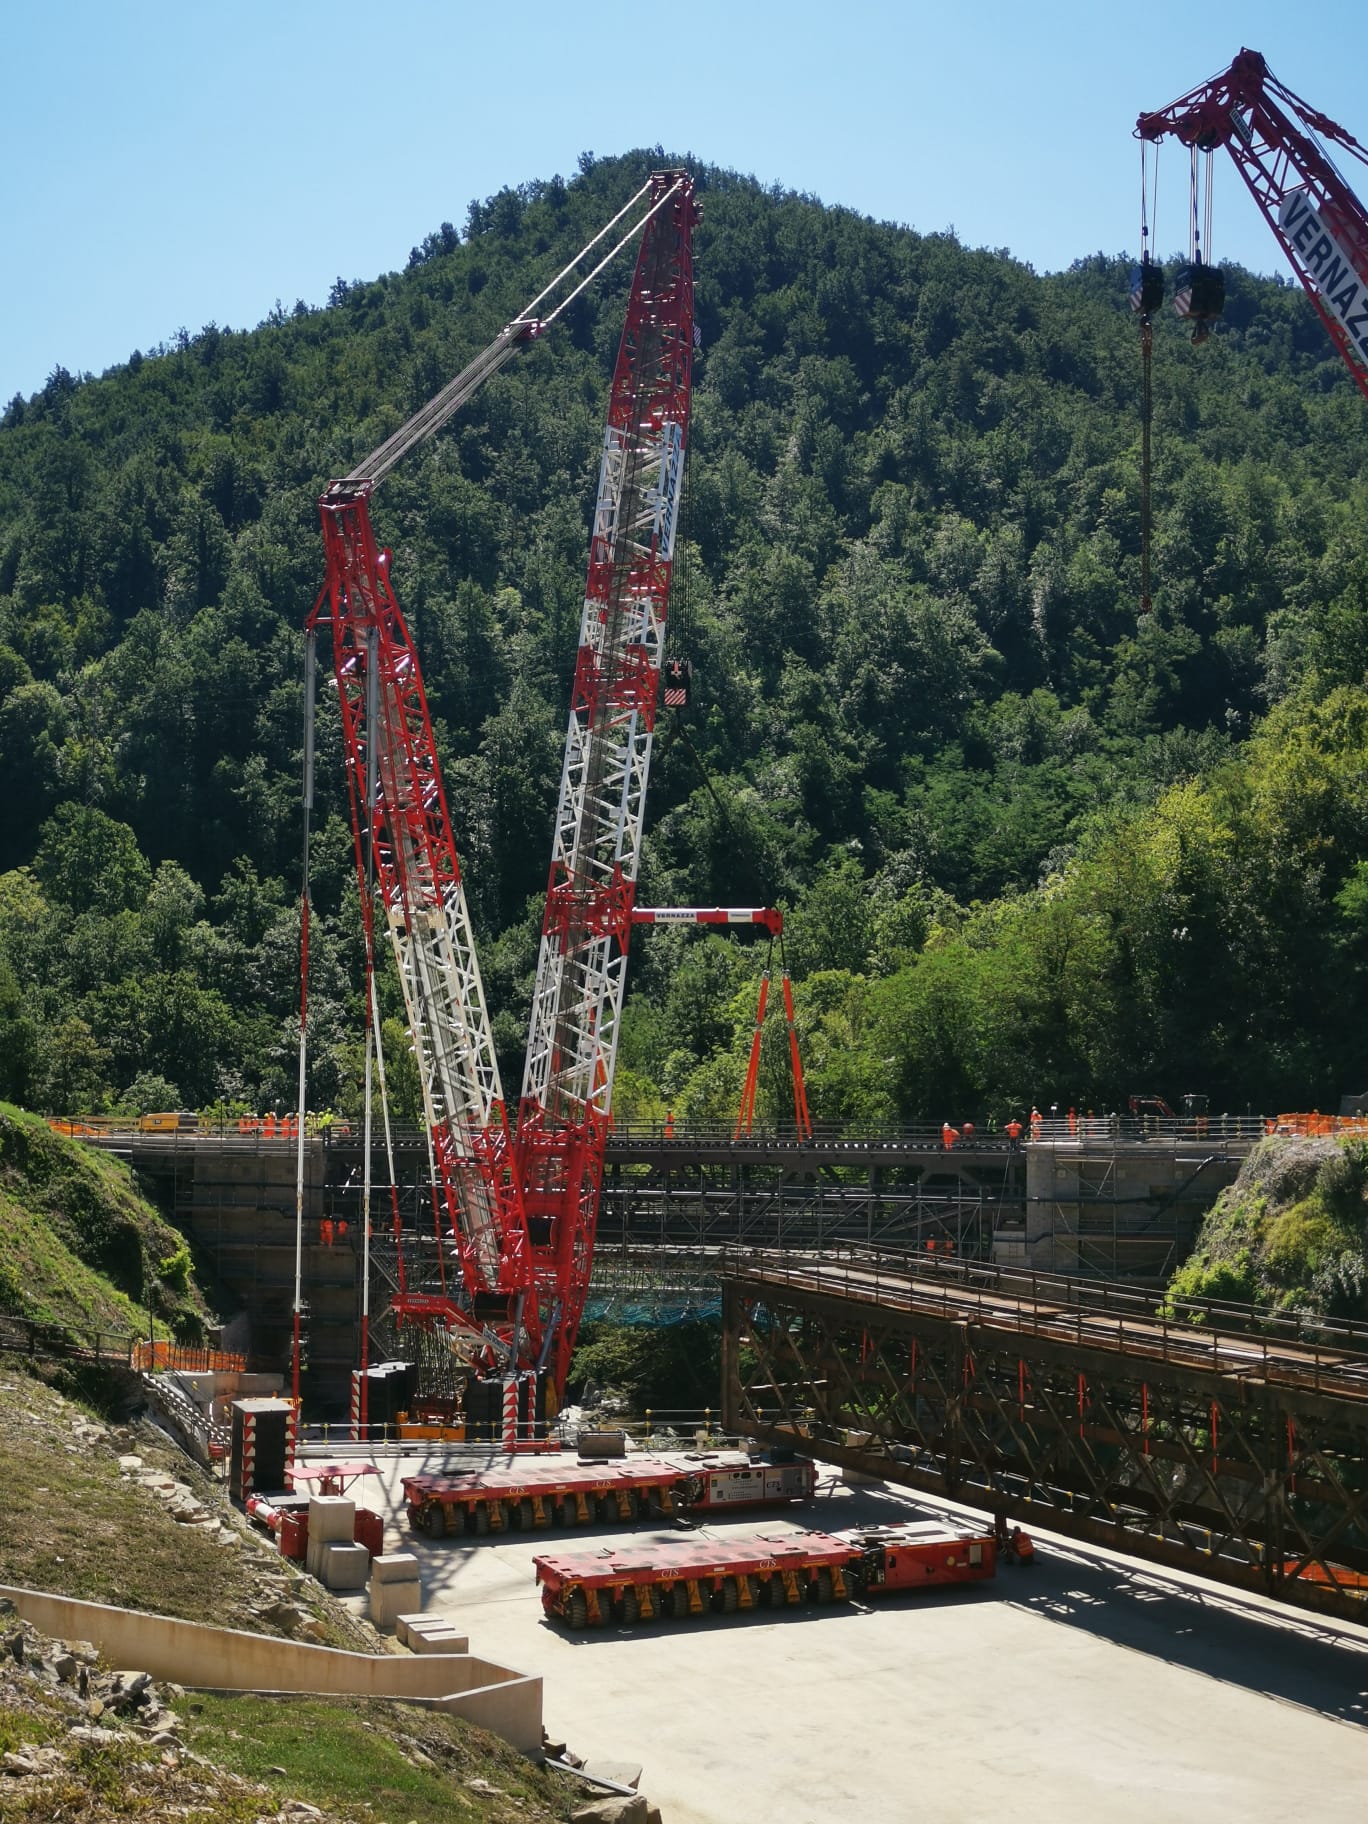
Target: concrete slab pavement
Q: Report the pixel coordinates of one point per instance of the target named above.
(1088, 1687)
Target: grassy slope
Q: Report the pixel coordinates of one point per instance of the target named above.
(391, 1763)
(75, 1233)
(1292, 1230)
(74, 1525)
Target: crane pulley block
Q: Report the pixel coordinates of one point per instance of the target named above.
(1147, 287)
(1199, 292)
(1277, 144)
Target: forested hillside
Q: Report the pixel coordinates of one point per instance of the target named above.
(1032, 845)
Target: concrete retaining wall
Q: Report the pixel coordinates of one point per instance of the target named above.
(227, 1659)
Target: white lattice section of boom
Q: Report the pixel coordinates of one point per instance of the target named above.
(597, 842)
(385, 720)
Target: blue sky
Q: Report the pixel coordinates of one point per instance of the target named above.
(168, 165)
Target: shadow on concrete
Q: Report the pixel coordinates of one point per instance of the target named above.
(1283, 1653)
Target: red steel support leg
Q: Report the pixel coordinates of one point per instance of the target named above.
(800, 1101)
(747, 1111)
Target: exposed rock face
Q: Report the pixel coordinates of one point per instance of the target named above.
(1291, 1231)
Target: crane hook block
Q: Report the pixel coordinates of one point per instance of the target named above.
(677, 678)
(1199, 292)
(1147, 287)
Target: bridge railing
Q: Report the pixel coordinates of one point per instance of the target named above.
(682, 1136)
(1040, 1298)
(41, 1340)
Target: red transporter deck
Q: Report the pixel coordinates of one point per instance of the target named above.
(528, 1494)
(678, 1578)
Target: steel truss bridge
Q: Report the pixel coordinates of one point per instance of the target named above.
(706, 1190)
(671, 1205)
(1220, 1439)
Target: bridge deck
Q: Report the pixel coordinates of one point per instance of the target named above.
(1333, 1359)
(1234, 1446)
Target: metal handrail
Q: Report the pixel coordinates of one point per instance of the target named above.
(683, 1135)
(872, 1278)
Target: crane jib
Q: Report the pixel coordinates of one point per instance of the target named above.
(1342, 290)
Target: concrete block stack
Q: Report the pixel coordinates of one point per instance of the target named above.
(333, 1556)
(395, 1588)
(344, 1567)
(430, 1634)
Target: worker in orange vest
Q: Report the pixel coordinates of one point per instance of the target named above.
(967, 1130)
(1035, 1122)
(669, 1125)
(1013, 1130)
(949, 1135)
(1073, 1123)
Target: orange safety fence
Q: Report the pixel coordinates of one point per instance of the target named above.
(269, 1127)
(1314, 1124)
(181, 1359)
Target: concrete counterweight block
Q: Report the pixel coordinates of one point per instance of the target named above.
(395, 1567)
(344, 1567)
(332, 1517)
(440, 1640)
(388, 1601)
(395, 1588)
(332, 1520)
(430, 1634)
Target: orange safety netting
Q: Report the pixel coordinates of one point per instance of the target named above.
(181, 1359)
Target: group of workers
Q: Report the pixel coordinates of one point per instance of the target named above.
(951, 1136)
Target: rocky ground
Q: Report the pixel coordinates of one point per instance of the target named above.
(84, 1744)
(114, 1512)
(81, 1743)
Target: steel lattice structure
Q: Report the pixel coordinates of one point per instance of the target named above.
(1233, 1455)
(521, 1206)
(399, 814)
(564, 1108)
(1273, 137)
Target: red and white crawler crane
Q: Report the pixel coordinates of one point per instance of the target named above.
(520, 1200)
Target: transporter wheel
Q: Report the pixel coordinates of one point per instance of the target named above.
(605, 1509)
(577, 1610)
(479, 1519)
(672, 1601)
(566, 1512)
(521, 1516)
(726, 1598)
(435, 1520)
(629, 1607)
(772, 1592)
(454, 1521)
(822, 1586)
(416, 1521)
